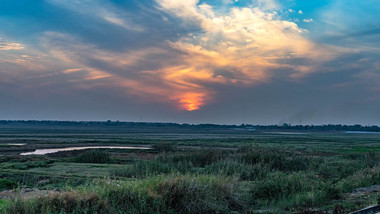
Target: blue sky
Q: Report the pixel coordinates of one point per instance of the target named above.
(207, 61)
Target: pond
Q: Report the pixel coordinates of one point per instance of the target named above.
(49, 151)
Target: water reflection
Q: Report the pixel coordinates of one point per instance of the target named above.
(48, 151)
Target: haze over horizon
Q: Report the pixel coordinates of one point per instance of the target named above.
(194, 61)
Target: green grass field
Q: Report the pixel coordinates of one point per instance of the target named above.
(191, 172)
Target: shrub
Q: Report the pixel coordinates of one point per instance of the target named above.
(6, 184)
(164, 147)
(93, 156)
(333, 192)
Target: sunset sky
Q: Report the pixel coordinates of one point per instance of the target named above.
(191, 61)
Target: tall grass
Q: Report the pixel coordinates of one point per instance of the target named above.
(214, 181)
(164, 164)
(67, 202)
(169, 194)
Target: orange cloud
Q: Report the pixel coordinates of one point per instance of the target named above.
(241, 47)
(71, 70)
(5, 46)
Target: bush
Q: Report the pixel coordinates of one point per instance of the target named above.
(333, 192)
(6, 184)
(164, 147)
(93, 156)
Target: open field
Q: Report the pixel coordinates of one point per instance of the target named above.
(187, 170)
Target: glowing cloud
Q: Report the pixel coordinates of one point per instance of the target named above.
(242, 47)
(5, 46)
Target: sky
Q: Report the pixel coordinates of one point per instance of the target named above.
(191, 61)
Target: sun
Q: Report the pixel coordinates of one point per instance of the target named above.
(191, 101)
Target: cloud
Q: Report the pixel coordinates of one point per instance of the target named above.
(238, 48)
(101, 10)
(126, 71)
(169, 81)
(300, 12)
(5, 46)
(269, 4)
(244, 46)
(71, 70)
(308, 20)
(18, 55)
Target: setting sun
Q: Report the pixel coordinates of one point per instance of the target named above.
(191, 101)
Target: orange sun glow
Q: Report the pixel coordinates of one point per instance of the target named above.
(191, 101)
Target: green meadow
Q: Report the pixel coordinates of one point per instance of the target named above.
(188, 172)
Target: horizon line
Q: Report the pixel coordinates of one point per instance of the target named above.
(176, 123)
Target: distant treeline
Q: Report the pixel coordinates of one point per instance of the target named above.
(330, 127)
(109, 123)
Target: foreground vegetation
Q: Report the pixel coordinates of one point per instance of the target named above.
(263, 174)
